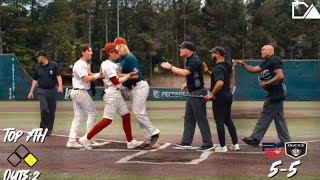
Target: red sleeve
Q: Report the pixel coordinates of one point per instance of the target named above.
(114, 80)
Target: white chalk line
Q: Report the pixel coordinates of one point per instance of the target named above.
(115, 150)
(127, 158)
(203, 156)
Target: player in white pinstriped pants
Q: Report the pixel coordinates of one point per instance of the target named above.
(139, 90)
(82, 102)
(139, 96)
(113, 99)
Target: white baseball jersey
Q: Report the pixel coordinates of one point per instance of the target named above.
(113, 99)
(82, 102)
(79, 70)
(108, 70)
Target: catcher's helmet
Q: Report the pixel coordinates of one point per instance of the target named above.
(265, 75)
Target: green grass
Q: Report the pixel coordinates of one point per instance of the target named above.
(168, 121)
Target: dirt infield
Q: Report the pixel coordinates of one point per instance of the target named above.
(115, 160)
(112, 158)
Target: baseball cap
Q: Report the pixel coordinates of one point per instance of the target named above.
(187, 45)
(219, 50)
(120, 40)
(111, 47)
(40, 53)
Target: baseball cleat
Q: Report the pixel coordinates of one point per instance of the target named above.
(154, 141)
(221, 149)
(133, 144)
(94, 143)
(155, 132)
(145, 144)
(85, 142)
(74, 145)
(234, 147)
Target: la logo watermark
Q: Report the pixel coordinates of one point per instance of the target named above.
(311, 13)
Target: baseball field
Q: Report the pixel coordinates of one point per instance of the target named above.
(111, 160)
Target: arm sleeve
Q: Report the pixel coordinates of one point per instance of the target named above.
(263, 66)
(35, 75)
(219, 74)
(133, 63)
(57, 69)
(193, 66)
(82, 71)
(114, 80)
(108, 71)
(277, 64)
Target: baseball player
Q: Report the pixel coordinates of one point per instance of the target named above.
(82, 102)
(139, 90)
(113, 99)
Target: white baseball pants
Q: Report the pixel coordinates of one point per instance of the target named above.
(114, 103)
(82, 103)
(139, 99)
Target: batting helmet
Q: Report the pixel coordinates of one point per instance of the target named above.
(265, 75)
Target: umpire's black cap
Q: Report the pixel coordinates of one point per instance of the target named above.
(40, 53)
(219, 50)
(187, 45)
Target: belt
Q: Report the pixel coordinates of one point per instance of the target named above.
(113, 88)
(134, 85)
(79, 89)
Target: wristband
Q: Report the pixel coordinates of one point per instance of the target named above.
(96, 75)
(171, 67)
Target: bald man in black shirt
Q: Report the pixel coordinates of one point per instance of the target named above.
(273, 104)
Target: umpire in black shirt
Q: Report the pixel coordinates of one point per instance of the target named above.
(46, 76)
(196, 112)
(221, 104)
(273, 104)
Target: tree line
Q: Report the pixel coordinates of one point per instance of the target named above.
(154, 28)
